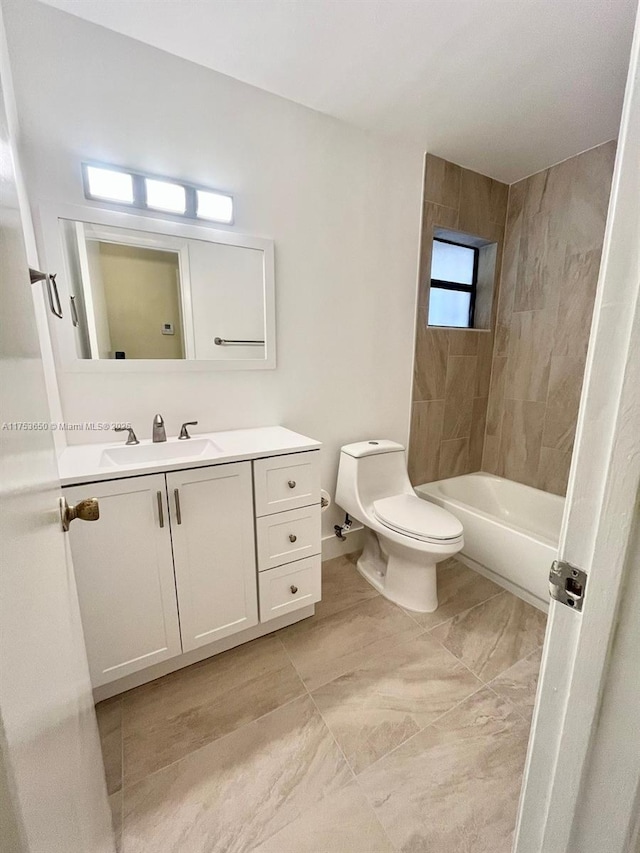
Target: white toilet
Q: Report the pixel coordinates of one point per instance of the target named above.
(405, 536)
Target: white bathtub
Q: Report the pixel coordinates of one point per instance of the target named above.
(511, 531)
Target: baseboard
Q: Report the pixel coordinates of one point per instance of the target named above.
(106, 691)
(334, 547)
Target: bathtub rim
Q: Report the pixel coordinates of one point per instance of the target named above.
(422, 490)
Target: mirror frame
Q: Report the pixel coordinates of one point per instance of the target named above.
(54, 260)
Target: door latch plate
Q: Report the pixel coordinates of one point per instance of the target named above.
(567, 584)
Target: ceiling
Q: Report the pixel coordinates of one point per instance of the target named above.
(505, 87)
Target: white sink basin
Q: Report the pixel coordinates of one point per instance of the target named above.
(165, 451)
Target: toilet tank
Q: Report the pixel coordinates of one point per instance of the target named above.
(369, 470)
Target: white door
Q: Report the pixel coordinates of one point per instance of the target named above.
(214, 551)
(124, 572)
(581, 791)
(52, 784)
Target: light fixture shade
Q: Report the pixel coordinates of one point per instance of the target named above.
(165, 195)
(109, 184)
(214, 206)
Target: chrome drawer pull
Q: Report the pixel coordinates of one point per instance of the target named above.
(160, 513)
(292, 537)
(292, 484)
(293, 589)
(176, 495)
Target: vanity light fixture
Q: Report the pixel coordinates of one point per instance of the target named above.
(164, 195)
(150, 192)
(214, 206)
(108, 184)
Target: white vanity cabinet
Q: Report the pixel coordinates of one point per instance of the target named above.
(213, 549)
(182, 564)
(124, 575)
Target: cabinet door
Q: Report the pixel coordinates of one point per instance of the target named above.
(124, 573)
(214, 551)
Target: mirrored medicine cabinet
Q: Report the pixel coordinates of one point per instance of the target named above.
(137, 293)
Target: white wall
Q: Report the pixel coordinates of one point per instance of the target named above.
(50, 765)
(343, 207)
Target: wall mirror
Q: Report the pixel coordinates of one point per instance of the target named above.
(137, 292)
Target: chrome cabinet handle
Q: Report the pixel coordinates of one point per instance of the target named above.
(293, 589)
(52, 290)
(176, 496)
(160, 512)
(292, 537)
(74, 311)
(292, 484)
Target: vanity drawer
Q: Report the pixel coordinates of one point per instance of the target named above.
(288, 536)
(289, 587)
(286, 482)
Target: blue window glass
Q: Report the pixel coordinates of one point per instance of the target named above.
(453, 284)
(450, 262)
(449, 307)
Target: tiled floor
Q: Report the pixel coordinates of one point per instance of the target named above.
(364, 729)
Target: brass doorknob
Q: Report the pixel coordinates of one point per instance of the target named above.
(86, 510)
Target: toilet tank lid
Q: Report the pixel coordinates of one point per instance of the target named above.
(372, 447)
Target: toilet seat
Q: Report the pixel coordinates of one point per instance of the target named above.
(420, 519)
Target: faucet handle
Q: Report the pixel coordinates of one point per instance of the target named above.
(131, 438)
(184, 432)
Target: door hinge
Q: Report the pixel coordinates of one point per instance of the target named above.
(567, 584)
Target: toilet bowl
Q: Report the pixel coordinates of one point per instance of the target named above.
(405, 536)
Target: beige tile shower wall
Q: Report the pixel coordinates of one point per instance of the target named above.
(554, 234)
(452, 366)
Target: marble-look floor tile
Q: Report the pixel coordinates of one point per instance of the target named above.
(236, 792)
(323, 650)
(519, 683)
(378, 706)
(341, 823)
(168, 718)
(109, 716)
(459, 588)
(454, 787)
(342, 586)
(115, 804)
(494, 635)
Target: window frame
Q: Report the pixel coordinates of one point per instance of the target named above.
(455, 285)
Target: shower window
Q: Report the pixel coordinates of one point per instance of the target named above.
(454, 277)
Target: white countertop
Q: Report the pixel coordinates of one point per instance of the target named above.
(85, 463)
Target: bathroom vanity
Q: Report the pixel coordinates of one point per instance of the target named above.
(200, 545)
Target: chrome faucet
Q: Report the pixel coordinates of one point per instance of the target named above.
(159, 433)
